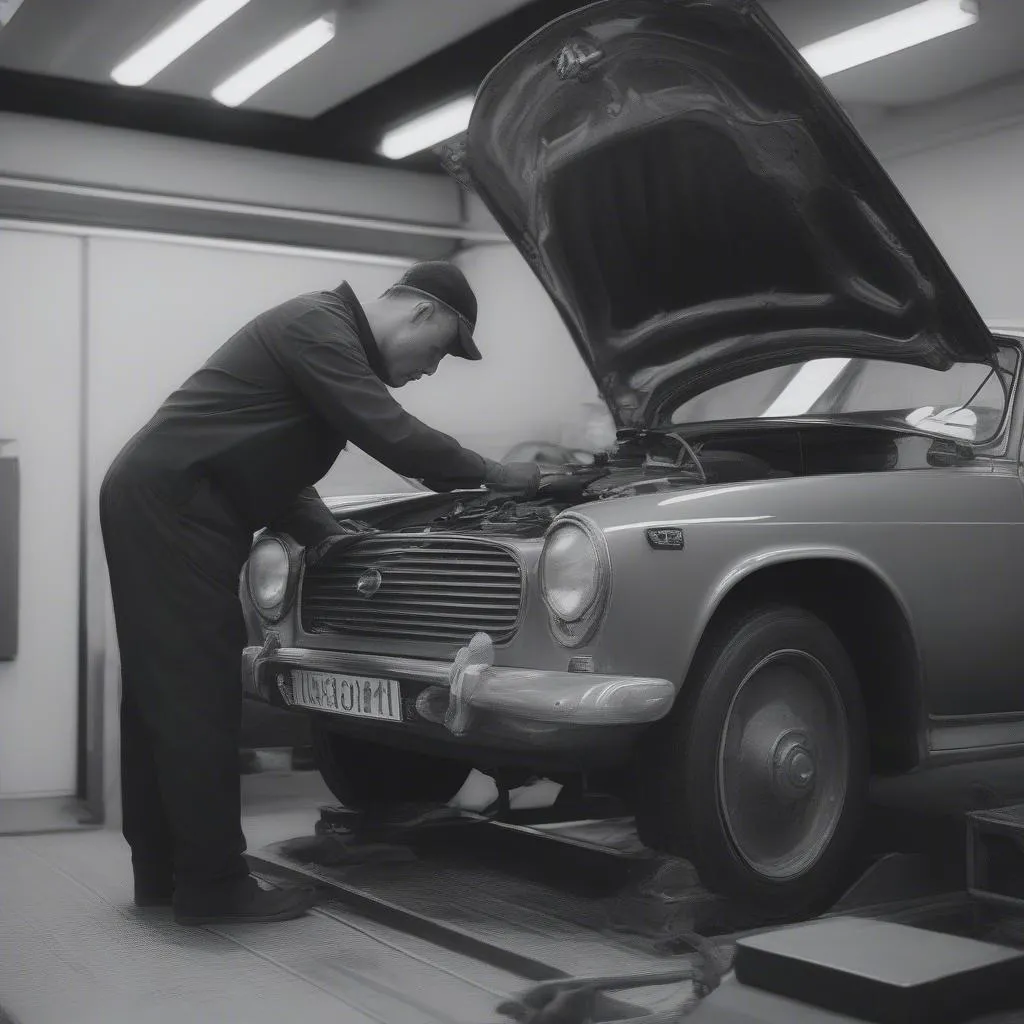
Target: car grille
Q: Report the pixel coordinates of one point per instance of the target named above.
(432, 588)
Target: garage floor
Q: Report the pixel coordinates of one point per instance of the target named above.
(74, 948)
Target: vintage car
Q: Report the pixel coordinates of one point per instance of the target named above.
(801, 561)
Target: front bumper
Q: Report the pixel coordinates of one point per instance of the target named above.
(472, 697)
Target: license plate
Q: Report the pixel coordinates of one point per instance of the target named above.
(348, 695)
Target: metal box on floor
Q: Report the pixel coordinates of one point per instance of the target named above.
(883, 972)
(995, 856)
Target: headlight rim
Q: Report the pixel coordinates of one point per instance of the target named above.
(274, 613)
(573, 634)
(596, 590)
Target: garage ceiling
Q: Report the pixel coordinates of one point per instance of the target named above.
(392, 58)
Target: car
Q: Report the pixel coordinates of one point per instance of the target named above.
(798, 565)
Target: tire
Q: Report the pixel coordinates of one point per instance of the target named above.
(775, 829)
(364, 775)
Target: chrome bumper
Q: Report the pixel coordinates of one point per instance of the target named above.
(457, 692)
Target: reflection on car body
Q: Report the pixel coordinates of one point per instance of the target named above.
(806, 405)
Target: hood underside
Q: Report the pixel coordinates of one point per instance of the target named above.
(699, 207)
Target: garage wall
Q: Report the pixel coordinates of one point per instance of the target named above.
(40, 348)
(970, 195)
(958, 162)
(532, 385)
(159, 308)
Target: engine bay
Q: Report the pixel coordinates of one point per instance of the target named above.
(653, 461)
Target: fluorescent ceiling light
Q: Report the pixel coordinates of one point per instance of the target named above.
(272, 64)
(165, 48)
(811, 382)
(8, 9)
(428, 129)
(899, 31)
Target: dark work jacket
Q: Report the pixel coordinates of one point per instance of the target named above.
(268, 414)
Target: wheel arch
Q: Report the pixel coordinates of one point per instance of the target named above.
(855, 599)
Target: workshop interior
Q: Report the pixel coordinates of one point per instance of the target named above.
(715, 711)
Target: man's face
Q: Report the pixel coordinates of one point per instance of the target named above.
(420, 339)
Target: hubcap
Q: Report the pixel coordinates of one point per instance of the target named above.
(783, 765)
(793, 767)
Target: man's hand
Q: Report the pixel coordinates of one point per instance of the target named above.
(570, 486)
(513, 477)
(347, 533)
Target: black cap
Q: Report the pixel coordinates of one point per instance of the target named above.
(447, 285)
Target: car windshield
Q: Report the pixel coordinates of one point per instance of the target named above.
(967, 401)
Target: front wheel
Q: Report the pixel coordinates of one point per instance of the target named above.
(366, 775)
(759, 776)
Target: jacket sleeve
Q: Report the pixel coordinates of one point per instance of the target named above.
(328, 365)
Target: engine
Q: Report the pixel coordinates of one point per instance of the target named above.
(653, 461)
(640, 463)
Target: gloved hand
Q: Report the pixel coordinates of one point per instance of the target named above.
(521, 478)
(348, 532)
(569, 486)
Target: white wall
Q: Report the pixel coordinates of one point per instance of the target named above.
(959, 163)
(970, 196)
(532, 383)
(40, 365)
(158, 310)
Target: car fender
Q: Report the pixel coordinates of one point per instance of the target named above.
(722, 550)
(749, 565)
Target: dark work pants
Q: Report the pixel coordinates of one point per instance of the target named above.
(174, 552)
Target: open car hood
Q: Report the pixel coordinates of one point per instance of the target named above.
(699, 207)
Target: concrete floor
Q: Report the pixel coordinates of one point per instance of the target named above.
(73, 947)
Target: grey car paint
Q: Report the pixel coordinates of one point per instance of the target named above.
(945, 542)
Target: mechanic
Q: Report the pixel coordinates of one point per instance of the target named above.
(236, 448)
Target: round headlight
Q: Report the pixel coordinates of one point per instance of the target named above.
(570, 572)
(268, 574)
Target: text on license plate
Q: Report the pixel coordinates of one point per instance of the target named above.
(348, 695)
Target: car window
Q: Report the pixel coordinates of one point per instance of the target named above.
(967, 401)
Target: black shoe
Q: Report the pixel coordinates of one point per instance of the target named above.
(241, 902)
(148, 897)
(154, 885)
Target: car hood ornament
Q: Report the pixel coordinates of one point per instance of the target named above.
(699, 207)
(369, 583)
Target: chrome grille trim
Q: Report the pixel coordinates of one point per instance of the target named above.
(435, 589)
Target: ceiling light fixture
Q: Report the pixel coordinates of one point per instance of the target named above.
(427, 129)
(181, 35)
(8, 9)
(273, 63)
(895, 32)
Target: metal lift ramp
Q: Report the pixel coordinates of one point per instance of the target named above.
(549, 902)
